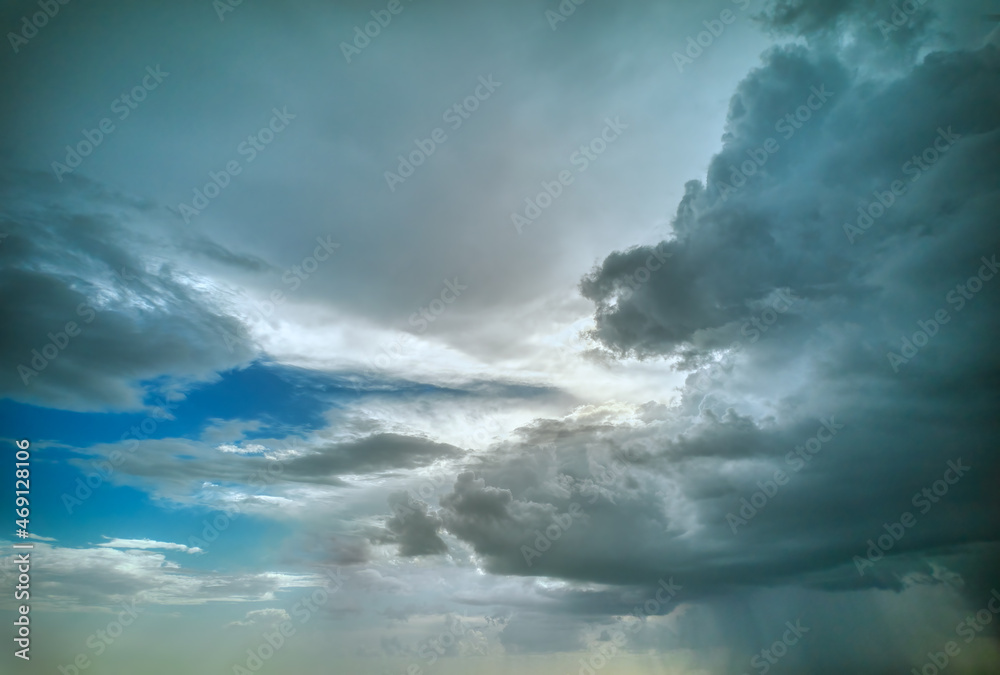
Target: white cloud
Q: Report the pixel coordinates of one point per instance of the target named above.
(147, 544)
(267, 617)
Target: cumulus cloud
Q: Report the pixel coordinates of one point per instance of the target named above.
(792, 385)
(799, 201)
(413, 526)
(654, 499)
(752, 230)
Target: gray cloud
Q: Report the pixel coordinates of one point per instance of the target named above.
(177, 468)
(610, 497)
(656, 503)
(731, 253)
(377, 452)
(413, 527)
(93, 312)
(858, 291)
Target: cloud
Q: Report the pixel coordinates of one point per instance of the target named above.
(413, 526)
(82, 578)
(246, 449)
(864, 281)
(636, 485)
(147, 544)
(374, 581)
(654, 499)
(92, 310)
(735, 246)
(261, 617)
(268, 474)
(224, 431)
(527, 633)
(885, 26)
(377, 452)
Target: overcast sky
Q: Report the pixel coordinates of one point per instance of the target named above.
(648, 337)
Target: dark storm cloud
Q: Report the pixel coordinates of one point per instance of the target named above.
(861, 439)
(344, 550)
(586, 516)
(413, 527)
(892, 33)
(791, 224)
(820, 371)
(661, 514)
(784, 228)
(90, 308)
(809, 16)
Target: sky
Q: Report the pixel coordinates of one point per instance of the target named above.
(425, 337)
